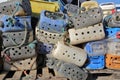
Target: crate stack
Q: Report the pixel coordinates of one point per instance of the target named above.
(113, 30)
(58, 41)
(18, 47)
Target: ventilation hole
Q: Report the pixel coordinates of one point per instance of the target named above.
(94, 31)
(54, 35)
(49, 47)
(20, 63)
(95, 16)
(18, 20)
(68, 55)
(80, 16)
(79, 60)
(74, 54)
(7, 40)
(16, 51)
(60, 35)
(53, 38)
(65, 70)
(18, 25)
(88, 32)
(14, 54)
(19, 53)
(66, 51)
(63, 53)
(28, 62)
(76, 34)
(25, 47)
(13, 25)
(100, 30)
(25, 52)
(82, 33)
(92, 10)
(77, 72)
(111, 32)
(12, 48)
(19, 33)
(109, 64)
(115, 58)
(55, 25)
(3, 9)
(49, 37)
(83, 22)
(7, 25)
(19, 47)
(73, 57)
(6, 19)
(45, 33)
(73, 70)
(11, 63)
(42, 27)
(98, 12)
(78, 24)
(28, 50)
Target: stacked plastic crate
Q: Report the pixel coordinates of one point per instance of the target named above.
(18, 48)
(112, 55)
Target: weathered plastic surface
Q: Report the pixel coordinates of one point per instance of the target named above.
(48, 37)
(71, 9)
(8, 7)
(67, 70)
(111, 32)
(14, 23)
(25, 64)
(90, 33)
(95, 62)
(38, 6)
(22, 52)
(113, 61)
(89, 5)
(114, 20)
(52, 21)
(16, 38)
(113, 47)
(69, 54)
(96, 48)
(91, 17)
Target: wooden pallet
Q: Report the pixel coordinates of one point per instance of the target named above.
(41, 74)
(16, 75)
(107, 71)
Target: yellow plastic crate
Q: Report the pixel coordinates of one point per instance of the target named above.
(39, 5)
(89, 4)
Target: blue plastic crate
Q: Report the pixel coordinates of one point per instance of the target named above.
(44, 48)
(52, 25)
(15, 24)
(104, 1)
(95, 62)
(96, 48)
(111, 32)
